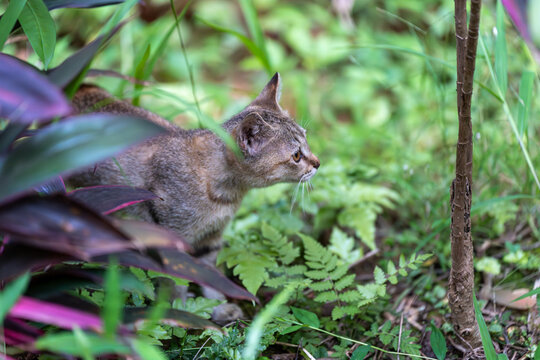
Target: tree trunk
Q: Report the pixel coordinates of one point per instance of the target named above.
(461, 283)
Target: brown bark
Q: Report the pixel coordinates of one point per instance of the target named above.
(461, 283)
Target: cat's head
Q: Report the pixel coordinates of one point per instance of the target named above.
(274, 146)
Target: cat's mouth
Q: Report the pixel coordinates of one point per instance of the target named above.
(308, 175)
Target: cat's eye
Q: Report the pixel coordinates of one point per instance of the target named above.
(297, 156)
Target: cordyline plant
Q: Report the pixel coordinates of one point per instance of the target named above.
(54, 243)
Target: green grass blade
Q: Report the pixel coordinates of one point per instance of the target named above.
(140, 75)
(107, 29)
(250, 14)
(255, 331)
(489, 350)
(83, 343)
(114, 302)
(147, 351)
(252, 47)
(40, 29)
(9, 18)
(509, 115)
(501, 56)
(530, 293)
(524, 105)
(146, 64)
(204, 120)
(11, 293)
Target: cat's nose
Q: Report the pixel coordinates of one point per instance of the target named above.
(315, 161)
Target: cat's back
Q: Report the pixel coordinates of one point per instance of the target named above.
(91, 99)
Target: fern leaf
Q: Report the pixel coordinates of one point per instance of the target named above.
(344, 282)
(321, 285)
(326, 296)
(350, 296)
(362, 219)
(295, 270)
(316, 274)
(339, 272)
(379, 276)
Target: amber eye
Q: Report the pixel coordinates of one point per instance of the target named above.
(297, 156)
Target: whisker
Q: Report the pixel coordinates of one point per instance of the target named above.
(295, 194)
(303, 204)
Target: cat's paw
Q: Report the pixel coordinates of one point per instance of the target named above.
(226, 313)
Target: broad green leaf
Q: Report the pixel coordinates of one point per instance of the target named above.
(438, 343)
(11, 293)
(9, 18)
(80, 141)
(66, 343)
(489, 350)
(524, 104)
(147, 351)
(40, 29)
(501, 57)
(306, 317)
(291, 329)
(360, 352)
(83, 342)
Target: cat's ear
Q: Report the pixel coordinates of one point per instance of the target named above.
(251, 133)
(269, 96)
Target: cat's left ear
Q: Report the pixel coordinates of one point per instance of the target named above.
(251, 134)
(269, 96)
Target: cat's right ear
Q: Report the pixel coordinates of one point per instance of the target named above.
(251, 134)
(269, 96)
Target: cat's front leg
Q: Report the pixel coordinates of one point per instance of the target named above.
(224, 313)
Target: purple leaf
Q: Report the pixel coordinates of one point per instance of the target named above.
(26, 95)
(58, 315)
(18, 332)
(518, 13)
(56, 4)
(106, 199)
(16, 259)
(147, 235)
(184, 266)
(195, 270)
(54, 186)
(60, 224)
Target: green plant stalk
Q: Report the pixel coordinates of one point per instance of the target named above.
(203, 120)
(509, 115)
(256, 329)
(354, 341)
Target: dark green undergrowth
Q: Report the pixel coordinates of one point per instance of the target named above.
(354, 264)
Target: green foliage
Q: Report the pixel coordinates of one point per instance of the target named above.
(11, 293)
(39, 26)
(437, 342)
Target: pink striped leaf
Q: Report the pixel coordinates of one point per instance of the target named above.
(53, 314)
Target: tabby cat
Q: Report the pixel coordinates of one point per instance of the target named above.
(199, 180)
